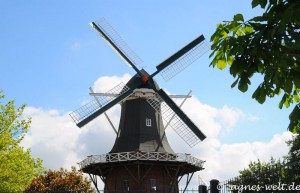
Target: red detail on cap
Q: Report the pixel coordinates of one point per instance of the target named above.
(145, 79)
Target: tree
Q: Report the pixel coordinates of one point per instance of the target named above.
(294, 158)
(264, 177)
(263, 173)
(17, 166)
(267, 45)
(266, 174)
(61, 180)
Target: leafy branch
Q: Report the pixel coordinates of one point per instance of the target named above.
(267, 45)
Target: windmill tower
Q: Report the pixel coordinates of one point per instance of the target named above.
(141, 159)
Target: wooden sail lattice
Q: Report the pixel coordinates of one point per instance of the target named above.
(99, 101)
(174, 121)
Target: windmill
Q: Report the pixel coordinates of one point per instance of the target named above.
(141, 158)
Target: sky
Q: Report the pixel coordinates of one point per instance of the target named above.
(50, 56)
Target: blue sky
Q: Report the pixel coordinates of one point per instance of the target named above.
(50, 56)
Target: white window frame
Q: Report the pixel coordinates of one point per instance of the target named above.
(148, 122)
(125, 186)
(153, 185)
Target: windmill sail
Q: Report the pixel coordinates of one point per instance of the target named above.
(96, 104)
(116, 42)
(183, 58)
(189, 133)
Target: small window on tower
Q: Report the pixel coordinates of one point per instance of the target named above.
(148, 122)
(125, 186)
(153, 187)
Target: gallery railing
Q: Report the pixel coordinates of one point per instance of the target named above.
(130, 156)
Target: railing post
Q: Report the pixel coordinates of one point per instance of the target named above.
(214, 186)
(202, 189)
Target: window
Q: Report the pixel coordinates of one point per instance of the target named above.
(148, 122)
(153, 187)
(125, 186)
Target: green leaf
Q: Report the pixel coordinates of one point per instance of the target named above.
(260, 94)
(257, 19)
(296, 76)
(294, 119)
(235, 82)
(260, 67)
(288, 86)
(235, 68)
(225, 34)
(221, 64)
(245, 81)
(215, 38)
(226, 29)
(243, 86)
(295, 113)
(283, 99)
(230, 60)
(238, 17)
(288, 101)
(248, 29)
(263, 3)
(277, 91)
(219, 25)
(255, 3)
(212, 53)
(239, 32)
(276, 79)
(296, 97)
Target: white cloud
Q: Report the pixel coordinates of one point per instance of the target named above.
(60, 143)
(276, 147)
(229, 117)
(251, 117)
(106, 83)
(52, 136)
(231, 158)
